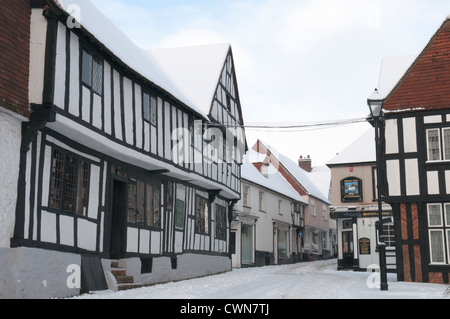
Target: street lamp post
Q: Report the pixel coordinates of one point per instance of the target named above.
(375, 103)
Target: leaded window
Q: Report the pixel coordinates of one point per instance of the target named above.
(439, 232)
(92, 71)
(150, 108)
(434, 150)
(201, 215)
(221, 222)
(144, 204)
(69, 183)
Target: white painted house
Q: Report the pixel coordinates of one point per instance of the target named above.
(355, 207)
(122, 160)
(318, 236)
(269, 218)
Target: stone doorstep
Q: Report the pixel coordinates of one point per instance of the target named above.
(119, 272)
(129, 286)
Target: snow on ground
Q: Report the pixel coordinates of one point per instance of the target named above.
(313, 280)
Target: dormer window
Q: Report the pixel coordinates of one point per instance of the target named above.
(92, 71)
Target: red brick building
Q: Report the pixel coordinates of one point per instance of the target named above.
(416, 159)
(14, 55)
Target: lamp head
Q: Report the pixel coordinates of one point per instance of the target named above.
(375, 102)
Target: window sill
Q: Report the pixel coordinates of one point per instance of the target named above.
(437, 162)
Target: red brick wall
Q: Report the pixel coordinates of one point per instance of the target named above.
(414, 250)
(14, 55)
(427, 84)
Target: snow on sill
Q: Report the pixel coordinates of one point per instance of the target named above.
(437, 162)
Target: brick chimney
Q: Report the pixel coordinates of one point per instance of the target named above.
(305, 163)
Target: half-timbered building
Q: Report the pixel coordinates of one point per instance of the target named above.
(415, 140)
(130, 155)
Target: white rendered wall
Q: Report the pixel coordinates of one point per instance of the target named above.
(10, 131)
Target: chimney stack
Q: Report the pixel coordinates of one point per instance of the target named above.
(305, 163)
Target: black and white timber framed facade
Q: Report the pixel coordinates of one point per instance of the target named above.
(415, 163)
(98, 173)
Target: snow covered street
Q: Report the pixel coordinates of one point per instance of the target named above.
(313, 280)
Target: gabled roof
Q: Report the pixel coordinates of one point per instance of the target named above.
(187, 74)
(300, 175)
(360, 151)
(274, 181)
(194, 70)
(392, 71)
(426, 84)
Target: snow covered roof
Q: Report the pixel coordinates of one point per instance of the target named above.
(273, 181)
(392, 71)
(195, 70)
(192, 80)
(302, 176)
(321, 175)
(361, 150)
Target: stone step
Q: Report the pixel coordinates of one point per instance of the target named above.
(129, 286)
(124, 282)
(119, 272)
(124, 279)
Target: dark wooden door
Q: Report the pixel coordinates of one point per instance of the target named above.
(347, 249)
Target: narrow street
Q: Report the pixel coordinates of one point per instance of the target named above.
(314, 280)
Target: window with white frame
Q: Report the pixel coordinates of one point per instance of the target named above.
(439, 232)
(280, 207)
(312, 207)
(246, 195)
(262, 201)
(438, 144)
(388, 235)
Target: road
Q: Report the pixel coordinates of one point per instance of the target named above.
(312, 280)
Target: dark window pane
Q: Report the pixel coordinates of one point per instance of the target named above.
(132, 193)
(97, 75)
(57, 180)
(86, 68)
(83, 187)
(153, 107)
(70, 184)
(146, 107)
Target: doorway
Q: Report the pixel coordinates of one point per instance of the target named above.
(247, 251)
(347, 250)
(118, 220)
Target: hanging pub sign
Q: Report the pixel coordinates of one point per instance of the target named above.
(351, 189)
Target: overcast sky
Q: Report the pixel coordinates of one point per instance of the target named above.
(296, 61)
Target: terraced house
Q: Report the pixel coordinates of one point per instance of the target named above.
(129, 159)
